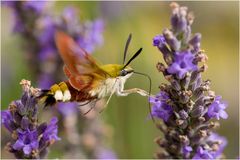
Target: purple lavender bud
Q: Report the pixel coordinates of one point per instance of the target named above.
(186, 150)
(178, 19)
(198, 93)
(159, 41)
(7, 120)
(217, 109)
(20, 107)
(198, 111)
(171, 40)
(182, 24)
(183, 114)
(194, 76)
(203, 154)
(174, 21)
(196, 39)
(196, 84)
(182, 64)
(175, 84)
(184, 97)
(195, 43)
(25, 123)
(185, 81)
(25, 98)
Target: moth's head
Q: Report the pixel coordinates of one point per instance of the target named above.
(125, 71)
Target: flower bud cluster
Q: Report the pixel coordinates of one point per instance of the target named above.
(30, 139)
(186, 105)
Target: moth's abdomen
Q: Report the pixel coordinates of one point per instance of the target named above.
(64, 92)
(56, 93)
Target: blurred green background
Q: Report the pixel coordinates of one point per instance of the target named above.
(218, 22)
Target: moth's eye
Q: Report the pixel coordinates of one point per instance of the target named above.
(123, 73)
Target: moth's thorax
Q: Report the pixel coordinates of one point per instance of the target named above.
(114, 69)
(108, 86)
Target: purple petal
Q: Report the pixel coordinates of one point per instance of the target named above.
(27, 149)
(18, 145)
(34, 144)
(223, 114)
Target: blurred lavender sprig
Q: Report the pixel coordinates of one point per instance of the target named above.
(30, 139)
(36, 25)
(187, 106)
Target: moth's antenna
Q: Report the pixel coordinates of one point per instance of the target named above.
(126, 47)
(133, 57)
(149, 92)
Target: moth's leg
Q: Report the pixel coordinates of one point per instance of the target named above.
(121, 92)
(132, 90)
(92, 106)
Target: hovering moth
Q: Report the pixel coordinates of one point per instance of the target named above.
(88, 80)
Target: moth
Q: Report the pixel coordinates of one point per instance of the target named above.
(87, 79)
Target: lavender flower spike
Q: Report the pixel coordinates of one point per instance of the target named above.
(187, 106)
(36, 24)
(30, 139)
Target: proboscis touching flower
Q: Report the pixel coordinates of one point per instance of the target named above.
(160, 108)
(186, 105)
(30, 139)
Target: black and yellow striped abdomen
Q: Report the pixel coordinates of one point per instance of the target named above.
(64, 92)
